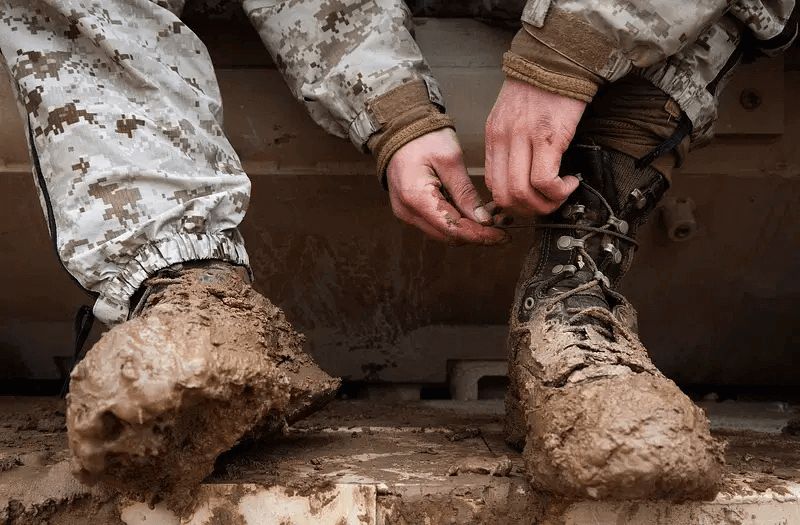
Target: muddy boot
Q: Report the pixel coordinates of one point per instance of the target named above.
(204, 362)
(597, 418)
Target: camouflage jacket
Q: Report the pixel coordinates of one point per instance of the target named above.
(685, 48)
(338, 56)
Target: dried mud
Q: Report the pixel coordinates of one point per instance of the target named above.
(758, 462)
(601, 421)
(208, 363)
(482, 465)
(350, 442)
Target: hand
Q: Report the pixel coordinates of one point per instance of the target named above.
(417, 175)
(527, 132)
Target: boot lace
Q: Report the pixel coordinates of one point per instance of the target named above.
(614, 227)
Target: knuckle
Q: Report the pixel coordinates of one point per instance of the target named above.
(552, 134)
(494, 129)
(463, 191)
(403, 200)
(449, 159)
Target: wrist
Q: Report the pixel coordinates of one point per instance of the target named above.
(404, 114)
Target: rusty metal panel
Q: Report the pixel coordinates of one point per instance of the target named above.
(379, 302)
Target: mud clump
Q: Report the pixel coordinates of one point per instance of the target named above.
(601, 422)
(623, 438)
(207, 363)
(482, 465)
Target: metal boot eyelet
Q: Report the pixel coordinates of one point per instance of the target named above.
(528, 303)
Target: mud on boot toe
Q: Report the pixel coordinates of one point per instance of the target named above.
(205, 363)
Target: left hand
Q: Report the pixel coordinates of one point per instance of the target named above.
(418, 175)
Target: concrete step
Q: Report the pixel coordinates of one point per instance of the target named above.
(369, 462)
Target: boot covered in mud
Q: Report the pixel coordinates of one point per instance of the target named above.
(596, 417)
(204, 362)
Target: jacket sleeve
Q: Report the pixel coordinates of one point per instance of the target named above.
(685, 48)
(355, 66)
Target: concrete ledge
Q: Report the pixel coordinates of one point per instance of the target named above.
(378, 463)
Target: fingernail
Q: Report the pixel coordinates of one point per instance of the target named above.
(492, 208)
(483, 216)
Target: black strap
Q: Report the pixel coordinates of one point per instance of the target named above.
(84, 320)
(683, 130)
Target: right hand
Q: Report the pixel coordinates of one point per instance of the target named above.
(527, 132)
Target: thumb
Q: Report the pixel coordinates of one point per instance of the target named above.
(453, 174)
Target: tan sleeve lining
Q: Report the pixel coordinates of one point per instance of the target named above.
(538, 64)
(404, 114)
(517, 67)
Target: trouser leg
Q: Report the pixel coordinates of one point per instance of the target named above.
(125, 125)
(635, 117)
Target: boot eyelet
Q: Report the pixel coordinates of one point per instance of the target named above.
(565, 242)
(528, 303)
(620, 225)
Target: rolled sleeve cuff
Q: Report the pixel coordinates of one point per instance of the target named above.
(402, 115)
(532, 61)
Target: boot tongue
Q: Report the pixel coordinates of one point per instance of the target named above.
(591, 297)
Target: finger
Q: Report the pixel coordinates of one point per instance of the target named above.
(525, 199)
(442, 216)
(501, 219)
(493, 208)
(454, 177)
(409, 216)
(496, 165)
(545, 178)
(556, 189)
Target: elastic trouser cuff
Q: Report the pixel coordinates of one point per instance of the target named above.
(113, 304)
(404, 114)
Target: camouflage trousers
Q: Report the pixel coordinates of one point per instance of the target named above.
(124, 119)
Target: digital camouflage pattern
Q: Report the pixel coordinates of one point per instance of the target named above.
(125, 118)
(338, 54)
(125, 114)
(685, 48)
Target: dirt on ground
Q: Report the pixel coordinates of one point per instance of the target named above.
(758, 462)
(352, 442)
(34, 432)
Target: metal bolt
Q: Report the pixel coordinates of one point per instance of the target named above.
(750, 99)
(564, 242)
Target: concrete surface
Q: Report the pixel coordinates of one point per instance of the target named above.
(367, 462)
